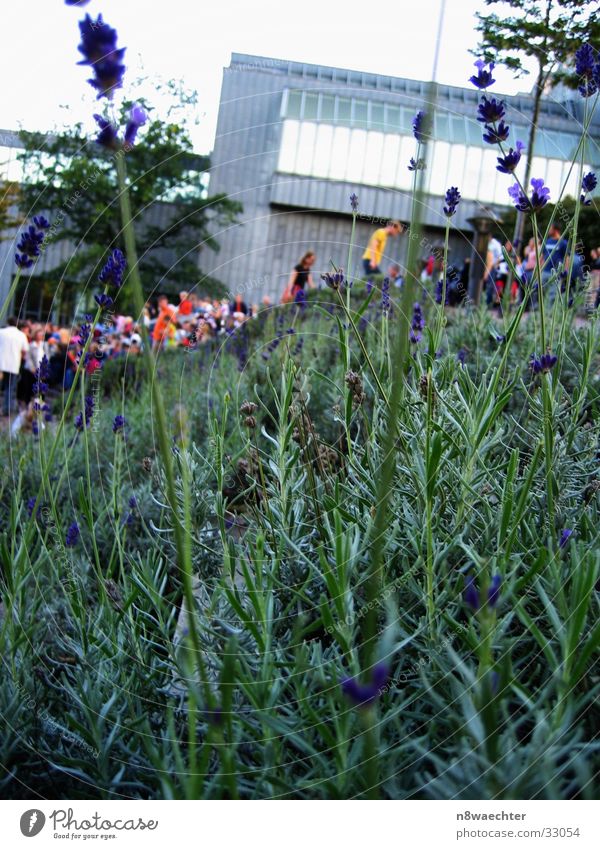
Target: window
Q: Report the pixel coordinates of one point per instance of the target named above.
(389, 159)
(344, 111)
(289, 144)
(377, 116)
(374, 155)
(339, 153)
(356, 156)
(438, 168)
(322, 156)
(294, 104)
(327, 108)
(472, 171)
(306, 148)
(311, 106)
(361, 113)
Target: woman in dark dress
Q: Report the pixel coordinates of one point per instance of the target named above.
(300, 277)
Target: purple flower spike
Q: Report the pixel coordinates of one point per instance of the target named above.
(363, 695)
(482, 79)
(491, 111)
(508, 164)
(137, 118)
(588, 184)
(494, 591)
(354, 201)
(416, 164)
(114, 268)
(564, 537)
(99, 50)
(587, 68)
(72, 535)
(418, 125)
(119, 424)
(452, 200)
(539, 197)
(496, 134)
(471, 594)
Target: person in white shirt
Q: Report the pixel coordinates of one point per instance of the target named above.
(13, 347)
(38, 348)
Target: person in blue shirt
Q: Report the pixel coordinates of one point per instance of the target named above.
(554, 258)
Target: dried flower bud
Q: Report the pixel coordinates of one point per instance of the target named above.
(250, 421)
(147, 464)
(247, 408)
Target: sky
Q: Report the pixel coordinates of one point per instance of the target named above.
(193, 41)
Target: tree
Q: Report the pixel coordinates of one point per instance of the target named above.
(548, 31)
(74, 179)
(9, 205)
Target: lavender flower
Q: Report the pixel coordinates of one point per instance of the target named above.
(363, 695)
(30, 507)
(42, 375)
(471, 593)
(461, 356)
(30, 243)
(335, 280)
(452, 200)
(587, 69)
(77, 2)
(494, 591)
(354, 201)
(416, 164)
(119, 423)
(483, 79)
(137, 119)
(439, 291)
(491, 111)
(417, 325)
(385, 296)
(564, 537)
(108, 136)
(99, 50)
(72, 535)
(539, 197)
(82, 420)
(588, 184)
(497, 133)
(418, 126)
(112, 273)
(544, 364)
(508, 163)
(105, 302)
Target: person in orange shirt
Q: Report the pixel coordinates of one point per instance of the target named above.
(165, 323)
(373, 255)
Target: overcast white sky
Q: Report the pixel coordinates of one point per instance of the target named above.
(43, 87)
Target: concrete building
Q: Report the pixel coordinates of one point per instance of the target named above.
(295, 140)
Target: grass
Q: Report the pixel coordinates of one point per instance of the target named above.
(104, 693)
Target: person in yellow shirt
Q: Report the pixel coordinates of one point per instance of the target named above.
(374, 252)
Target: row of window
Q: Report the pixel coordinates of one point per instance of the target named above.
(391, 118)
(368, 157)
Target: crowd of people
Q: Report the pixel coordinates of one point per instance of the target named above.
(194, 320)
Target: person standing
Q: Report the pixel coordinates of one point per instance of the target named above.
(13, 347)
(375, 249)
(300, 277)
(164, 327)
(38, 348)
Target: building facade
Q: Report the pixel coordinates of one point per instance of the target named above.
(295, 140)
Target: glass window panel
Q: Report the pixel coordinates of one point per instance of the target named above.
(322, 158)
(327, 107)
(361, 113)
(487, 180)
(442, 129)
(377, 116)
(540, 146)
(538, 167)
(407, 150)
(473, 132)
(289, 144)
(339, 153)
(306, 147)
(472, 171)
(311, 106)
(554, 177)
(373, 158)
(407, 119)
(344, 110)
(393, 117)
(456, 164)
(389, 159)
(438, 168)
(356, 155)
(458, 131)
(294, 104)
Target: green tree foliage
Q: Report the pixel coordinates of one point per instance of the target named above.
(548, 32)
(588, 232)
(74, 178)
(9, 205)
